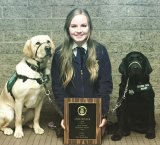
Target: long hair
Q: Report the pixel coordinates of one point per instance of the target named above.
(67, 70)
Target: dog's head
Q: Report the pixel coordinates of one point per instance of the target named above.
(39, 47)
(135, 64)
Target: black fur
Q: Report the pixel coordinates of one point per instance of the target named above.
(136, 112)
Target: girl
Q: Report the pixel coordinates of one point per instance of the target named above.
(81, 66)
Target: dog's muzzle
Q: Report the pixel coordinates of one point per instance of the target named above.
(48, 51)
(135, 68)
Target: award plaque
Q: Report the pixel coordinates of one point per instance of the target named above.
(82, 117)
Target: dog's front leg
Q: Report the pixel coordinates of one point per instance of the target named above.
(18, 119)
(36, 126)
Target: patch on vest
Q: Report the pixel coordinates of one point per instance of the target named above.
(139, 88)
(11, 81)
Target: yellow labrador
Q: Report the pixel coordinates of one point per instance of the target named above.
(22, 97)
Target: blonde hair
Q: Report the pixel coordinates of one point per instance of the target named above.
(67, 70)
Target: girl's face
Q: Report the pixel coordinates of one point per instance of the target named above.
(79, 29)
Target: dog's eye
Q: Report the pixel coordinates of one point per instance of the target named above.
(140, 58)
(48, 41)
(38, 43)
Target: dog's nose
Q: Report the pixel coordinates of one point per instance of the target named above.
(48, 51)
(135, 66)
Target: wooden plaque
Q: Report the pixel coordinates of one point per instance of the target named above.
(82, 117)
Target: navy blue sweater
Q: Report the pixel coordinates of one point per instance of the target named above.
(81, 86)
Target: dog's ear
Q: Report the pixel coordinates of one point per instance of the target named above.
(122, 67)
(148, 69)
(27, 49)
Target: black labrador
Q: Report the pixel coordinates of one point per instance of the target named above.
(135, 105)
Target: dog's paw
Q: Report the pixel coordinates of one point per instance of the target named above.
(126, 133)
(150, 135)
(59, 132)
(18, 134)
(8, 131)
(39, 130)
(116, 137)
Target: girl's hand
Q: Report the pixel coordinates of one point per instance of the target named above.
(62, 124)
(103, 125)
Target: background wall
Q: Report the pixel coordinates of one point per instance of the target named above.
(121, 25)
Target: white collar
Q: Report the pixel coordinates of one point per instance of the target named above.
(84, 46)
(75, 46)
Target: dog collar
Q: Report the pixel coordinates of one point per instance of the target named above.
(34, 67)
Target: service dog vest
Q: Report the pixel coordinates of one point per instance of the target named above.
(11, 81)
(15, 76)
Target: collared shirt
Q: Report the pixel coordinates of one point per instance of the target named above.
(80, 85)
(74, 48)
